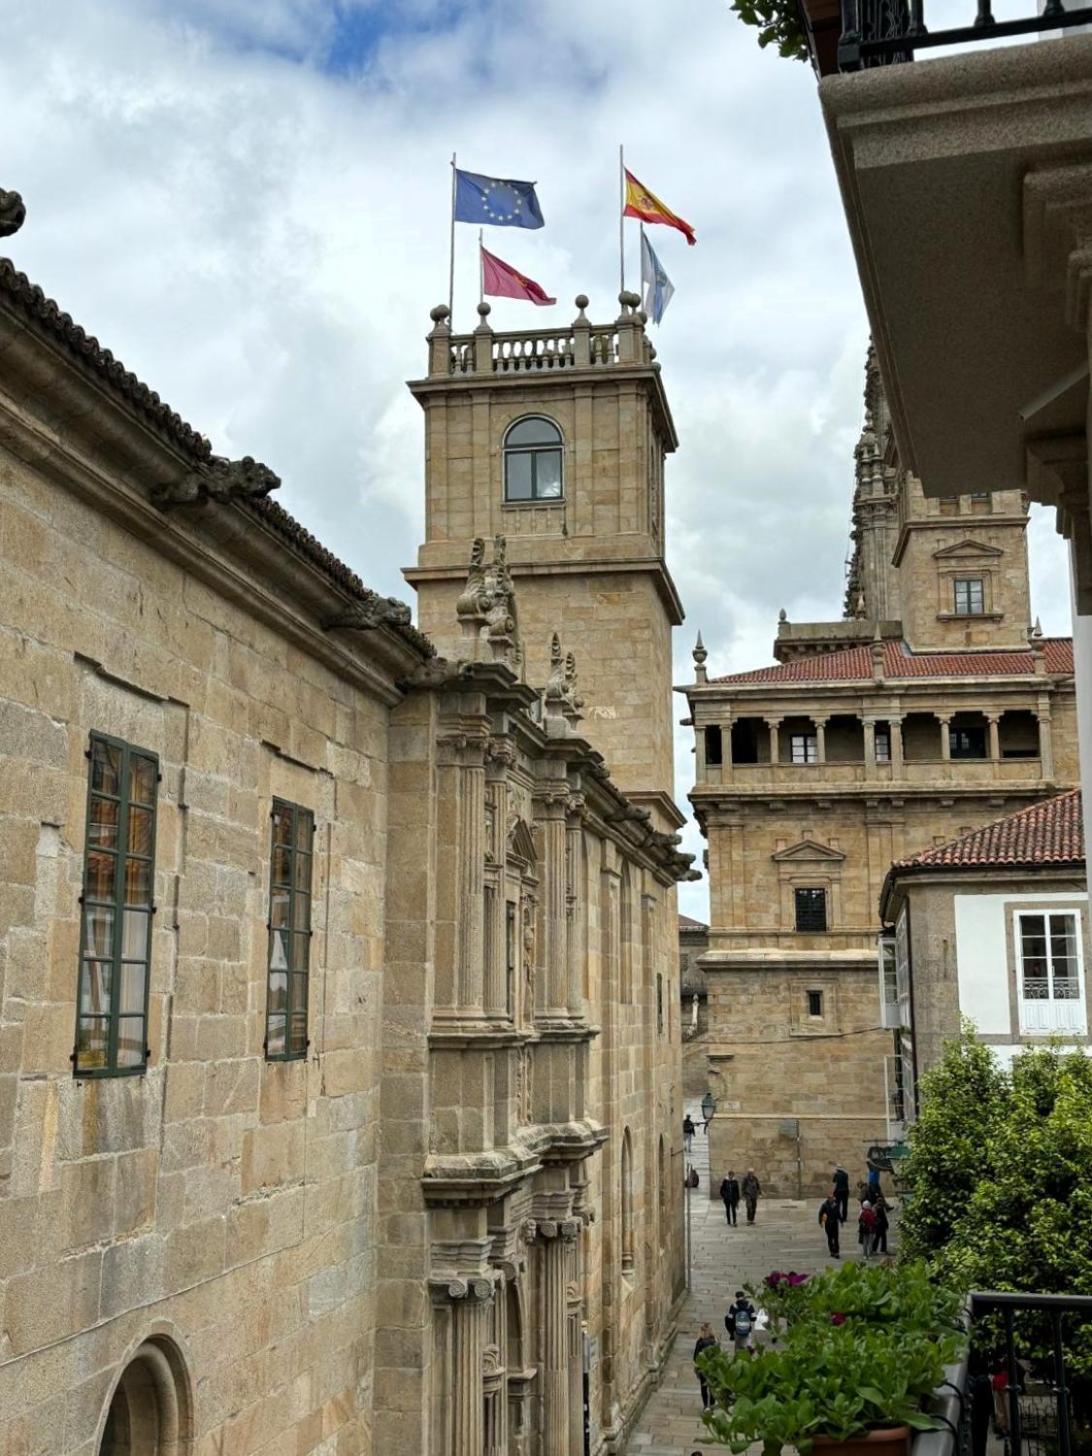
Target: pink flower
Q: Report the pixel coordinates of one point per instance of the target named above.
(837, 1319)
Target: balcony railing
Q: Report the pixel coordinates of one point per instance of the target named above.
(883, 32)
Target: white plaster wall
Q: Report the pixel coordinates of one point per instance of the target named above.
(984, 975)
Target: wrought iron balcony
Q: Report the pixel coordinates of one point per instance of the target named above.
(886, 32)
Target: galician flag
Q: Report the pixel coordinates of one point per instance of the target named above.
(501, 280)
(657, 286)
(642, 203)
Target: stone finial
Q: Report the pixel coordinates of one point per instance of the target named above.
(486, 609)
(13, 213)
(782, 615)
(440, 315)
(561, 702)
(1037, 631)
(877, 657)
(484, 310)
(699, 655)
(860, 608)
(581, 302)
(218, 480)
(1038, 654)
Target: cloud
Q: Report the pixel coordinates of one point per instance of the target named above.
(248, 203)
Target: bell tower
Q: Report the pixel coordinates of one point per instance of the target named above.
(555, 439)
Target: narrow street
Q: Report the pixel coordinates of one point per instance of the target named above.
(786, 1235)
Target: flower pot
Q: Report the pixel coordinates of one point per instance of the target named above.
(823, 22)
(887, 1441)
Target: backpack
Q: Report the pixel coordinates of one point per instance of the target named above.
(867, 1219)
(742, 1321)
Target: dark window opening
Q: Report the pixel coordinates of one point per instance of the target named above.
(660, 1003)
(970, 596)
(745, 740)
(811, 909)
(532, 461)
(815, 1003)
(967, 742)
(289, 932)
(714, 747)
(116, 910)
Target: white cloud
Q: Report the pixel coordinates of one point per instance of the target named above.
(261, 241)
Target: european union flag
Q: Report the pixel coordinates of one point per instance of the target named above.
(496, 201)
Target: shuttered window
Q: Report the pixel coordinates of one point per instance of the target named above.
(116, 910)
(290, 879)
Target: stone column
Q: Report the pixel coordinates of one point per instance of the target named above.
(773, 724)
(551, 807)
(467, 1299)
(820, 740)
(575, 908)
(945, 741)
(1046, 744)
(869, 726)
(556, 1239)
(897, 760)
(995, 743)
(726, 750)
(469, 869)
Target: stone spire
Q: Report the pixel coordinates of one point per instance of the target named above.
(700, 655)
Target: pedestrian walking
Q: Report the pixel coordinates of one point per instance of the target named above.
(740, 1321)
(866, 1228)
(752, 1192)
(706, 1339)
(830, 1221)
(688, 1131)
(729, 1191)
(874, 1190)
(841, 1191)
(879, 1240)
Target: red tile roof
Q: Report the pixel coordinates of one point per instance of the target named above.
(854, 664)
(1048, 833)
(686, 923)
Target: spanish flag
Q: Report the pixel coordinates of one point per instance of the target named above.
(642, 203)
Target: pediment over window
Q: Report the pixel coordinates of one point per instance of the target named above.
(521, 842)
(967, 549)
(808, 850)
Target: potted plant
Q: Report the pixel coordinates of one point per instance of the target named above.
(800, 29)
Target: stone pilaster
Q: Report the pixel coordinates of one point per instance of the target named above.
(551, 806)
(557, 1238)
(1046, 742)
(464, 766)
(945, 741)
(460, 1374)
(575, 912)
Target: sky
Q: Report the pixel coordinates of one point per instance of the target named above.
(247, 202)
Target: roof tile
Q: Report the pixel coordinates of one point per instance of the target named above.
(854, 664)
(1047, 833)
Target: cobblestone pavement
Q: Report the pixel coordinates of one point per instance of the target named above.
(786, 1235)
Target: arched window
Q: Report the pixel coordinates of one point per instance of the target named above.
(627, 1203)
(532, 460)
(150, 1412)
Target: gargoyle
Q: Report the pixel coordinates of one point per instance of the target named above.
(371, 612)
(219, 480)
(13, 213)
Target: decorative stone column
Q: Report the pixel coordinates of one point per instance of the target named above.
(773, 724)
(462, 1394)
(1046, 743)
(820, 740)
(945, 741)
(575, 909)
(993, 719)
(557, 1237)
(869, 727)
(466, 764)
(897, 759)
(551, 807)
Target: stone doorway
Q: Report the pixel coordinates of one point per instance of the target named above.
(150, 1410)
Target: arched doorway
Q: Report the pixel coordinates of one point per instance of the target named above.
(150, 1410)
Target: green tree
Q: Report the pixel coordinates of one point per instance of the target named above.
(778, 23)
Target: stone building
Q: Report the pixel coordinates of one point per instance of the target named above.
(694, 989)
(992, 926)
(929, 709)
(339, 1085)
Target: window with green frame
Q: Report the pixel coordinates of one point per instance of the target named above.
(289, 931)
(116, 910)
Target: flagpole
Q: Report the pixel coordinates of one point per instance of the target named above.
(451, 254)
(481, 268)
(641, 285)
(622, 217)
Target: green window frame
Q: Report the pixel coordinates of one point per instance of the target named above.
(117, 909)
(291, 868)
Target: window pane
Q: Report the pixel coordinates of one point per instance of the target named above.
(102, 828)
(98, 931)
(1065, 988)
(297, 1044)
(278, 951)
(278, 908)
(883, 748)
(275, 1036)
(131, 1041)
(303, 871)
(278, 991)
(299, 993)
(100, 877)
(140, 830)
(282, 826)
(517, 477)
(281, 871)
(105, 767)
(547, 474)
(1063, 939)
(811, 909)
(303, 951)
(134, 935)
(142, 777)
(95, 988)
(133, 980)
(533, 432)
(92, 1041)
(138, 882)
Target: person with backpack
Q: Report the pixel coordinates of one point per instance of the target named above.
(830, 1222)
(841, 1192)
(866, 1228)
(752, 1190)
(688, 1131)
(740, 1321)
(706, 1340)
(729, 1192)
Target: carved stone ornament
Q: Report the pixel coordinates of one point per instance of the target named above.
(548, 1228)
(370, 612)
(456, 1287)
(218, 480)
(486, 609)
(570, 1229)
(528, 1230)
(13, 213)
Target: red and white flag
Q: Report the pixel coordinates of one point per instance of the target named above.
(501, 280)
